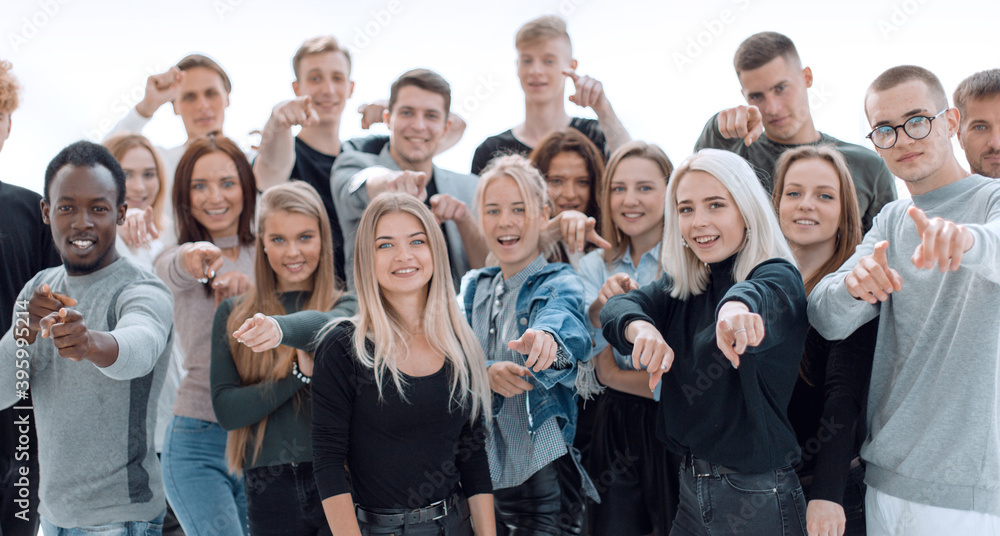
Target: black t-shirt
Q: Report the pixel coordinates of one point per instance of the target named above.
(505, 143)
(400, 454)
(313, 167)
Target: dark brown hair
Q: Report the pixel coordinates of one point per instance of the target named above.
(760, 48)
(424, 79)
(188, 228)
(571, 140)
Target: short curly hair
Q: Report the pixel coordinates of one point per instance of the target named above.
(9, 88)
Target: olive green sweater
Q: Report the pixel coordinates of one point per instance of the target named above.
(289, 417)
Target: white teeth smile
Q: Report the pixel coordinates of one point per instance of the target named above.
(508, 238)
(295, 266)
(218, 212)
(633, 215)
(405, 271)
(83, 244)
(705, 239)
(806, 222)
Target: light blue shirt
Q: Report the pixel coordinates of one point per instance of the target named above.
(594, 272)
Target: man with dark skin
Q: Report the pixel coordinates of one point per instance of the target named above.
(109, 323)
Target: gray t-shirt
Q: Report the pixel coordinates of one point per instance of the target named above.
(934, 403)
(872, 181)
(95, 425)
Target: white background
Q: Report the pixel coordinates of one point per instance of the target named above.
(666, 65)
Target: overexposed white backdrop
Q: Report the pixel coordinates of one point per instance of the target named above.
(665, 65)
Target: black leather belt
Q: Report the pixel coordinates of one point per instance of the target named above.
(701, 467)
(432, 512)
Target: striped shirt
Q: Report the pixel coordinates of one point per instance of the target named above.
(515, 452)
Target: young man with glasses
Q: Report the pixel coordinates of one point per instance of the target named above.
(978, 100)
(775, 86)
(930, 270)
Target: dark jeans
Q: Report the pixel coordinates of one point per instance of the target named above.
(531, 508)
(282, 500)
(854, 501)
(769, 503)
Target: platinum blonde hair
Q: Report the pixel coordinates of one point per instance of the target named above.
(763, 239)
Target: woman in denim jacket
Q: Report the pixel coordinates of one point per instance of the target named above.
(529, 317)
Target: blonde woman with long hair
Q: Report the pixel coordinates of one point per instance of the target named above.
(261, 361)
(528, 315)
(401, 390)
(723, 331)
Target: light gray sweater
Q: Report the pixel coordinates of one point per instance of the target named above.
(934, 430)
(95, 425)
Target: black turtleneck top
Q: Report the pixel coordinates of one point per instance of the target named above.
(736, 418)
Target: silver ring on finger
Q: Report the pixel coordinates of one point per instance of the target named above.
(739, 330)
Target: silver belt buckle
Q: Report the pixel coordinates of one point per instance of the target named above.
(444, 513)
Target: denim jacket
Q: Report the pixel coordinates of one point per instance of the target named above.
(551, 301)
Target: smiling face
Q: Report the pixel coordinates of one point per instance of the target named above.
(142, 183)
(216, 195)
(201, 102)
(84, 216)
(779, 88)
(710, 222)
(417, 123)
(404, 264)
(512, 228)
(810, 203)
(569, 183)
(539, 68)
(917, 162)
(293, 247)
(979, 135)
(326, 77)
(637, 198)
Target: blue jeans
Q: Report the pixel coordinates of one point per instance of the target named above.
(124, 528)
(207, 499)
(769, 503)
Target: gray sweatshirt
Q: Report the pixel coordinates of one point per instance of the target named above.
(95, 425)
(933, 408)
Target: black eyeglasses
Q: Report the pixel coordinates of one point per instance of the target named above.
(917, 127)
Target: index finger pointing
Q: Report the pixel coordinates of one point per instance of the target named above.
(571, 74)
